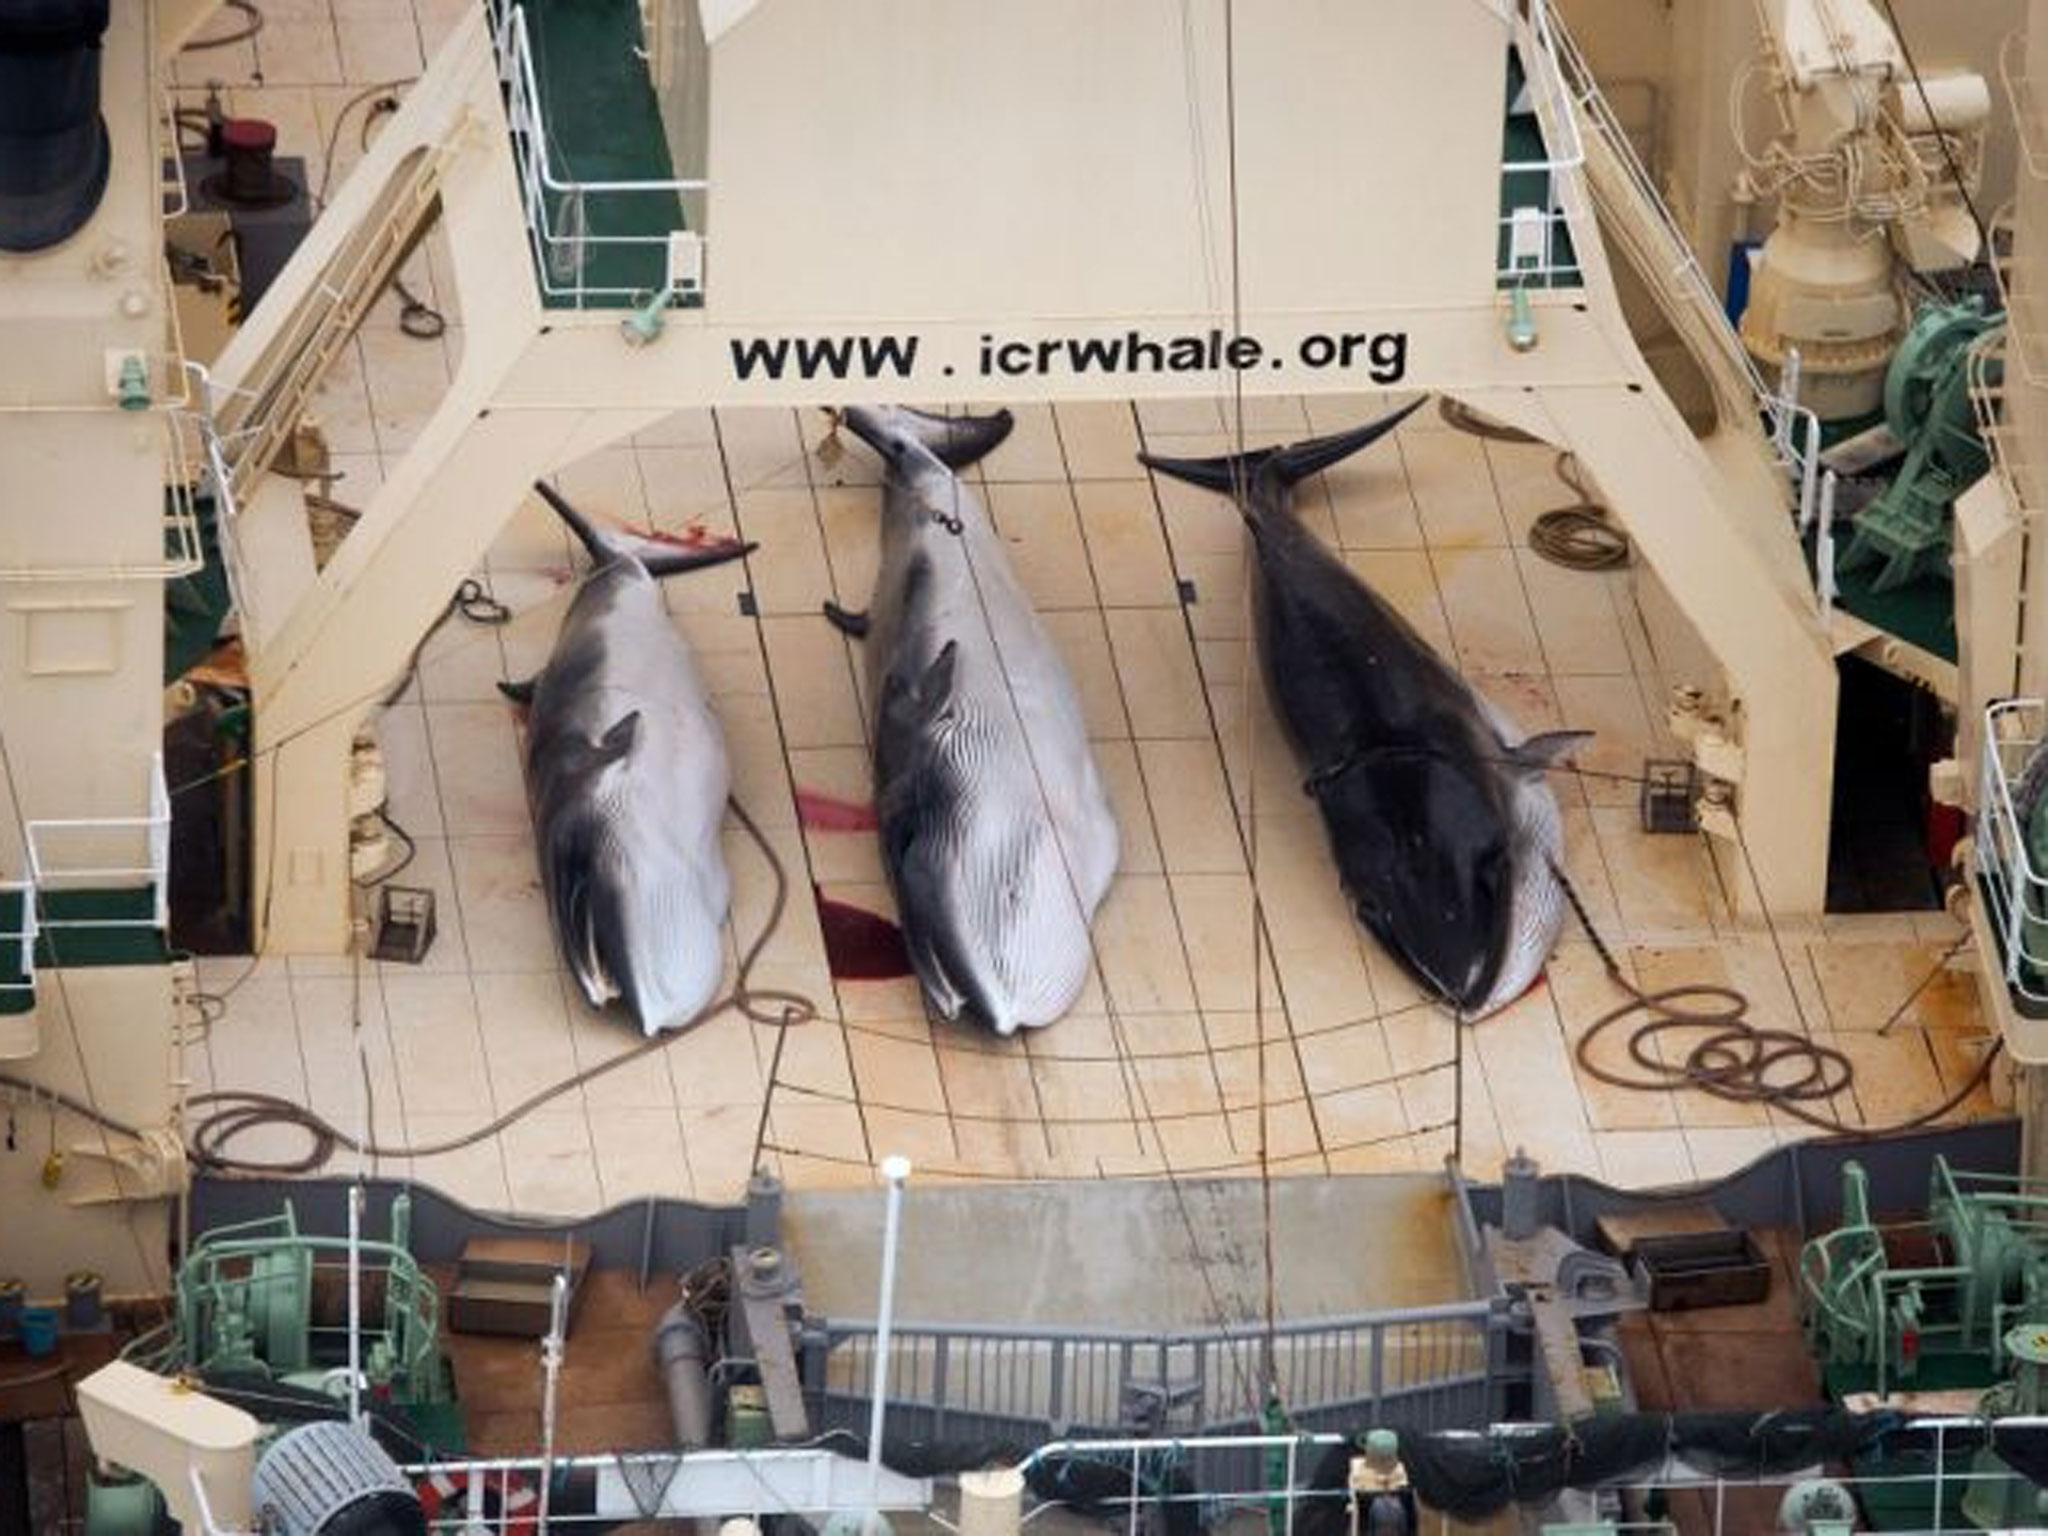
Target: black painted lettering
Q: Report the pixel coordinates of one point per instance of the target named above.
(1389, 356)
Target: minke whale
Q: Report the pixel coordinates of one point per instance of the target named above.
(1445, 833)
(626, 777)
(996, 830)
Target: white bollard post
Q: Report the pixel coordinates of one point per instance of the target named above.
(895, 1170)
(991, 1503)
(355, 1305)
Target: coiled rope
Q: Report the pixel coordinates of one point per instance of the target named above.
(238, 1112)
(1733, 1059)
(1578, 535)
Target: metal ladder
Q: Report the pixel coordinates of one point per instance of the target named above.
(255, 421)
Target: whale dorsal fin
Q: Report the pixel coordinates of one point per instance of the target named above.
(1547, 749)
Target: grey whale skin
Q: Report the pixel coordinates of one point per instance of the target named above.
(626, 778)
(996, 830)
(1446, 835)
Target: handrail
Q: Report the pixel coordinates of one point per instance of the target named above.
(540, 181)
(1793, 430)
(2028, 127)
(2016, 892)
(1391, 1317)
(1542, 75)
(45, 871)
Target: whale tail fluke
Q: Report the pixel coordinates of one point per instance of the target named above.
(659, 556)
(1233, 474)
(955, 441)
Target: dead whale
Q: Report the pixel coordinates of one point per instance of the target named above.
(626, 778)
(996, 829)
(1445, 833)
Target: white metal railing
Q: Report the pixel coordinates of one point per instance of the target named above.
(2013, 458)
(177, 193)
(2030, 126)
(558, 206)
(499, 1496)
(1793, 429)
(2015, 888)
(1554, 261)
(183, 551)
(219, 480)
(2023, 295)
(47, 870)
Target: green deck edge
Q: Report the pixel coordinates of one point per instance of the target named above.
(1921, 613)
(63, 942)
(196, 606)
(603, 124)
(1522, 140)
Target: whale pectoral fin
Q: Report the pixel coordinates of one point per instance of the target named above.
(619, 741)
(1547, 749)
(519, 693)
(935, 687)
(847, 621)
(616, 745)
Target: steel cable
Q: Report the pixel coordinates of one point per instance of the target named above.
(238, 1112)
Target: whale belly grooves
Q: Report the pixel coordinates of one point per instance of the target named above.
(997, 835)
(627, 783)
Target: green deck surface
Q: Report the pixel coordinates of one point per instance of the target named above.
(1922, 612)
(195, 606)
(1522, 142)
(72, 936)
(603, 124)
(16, 996)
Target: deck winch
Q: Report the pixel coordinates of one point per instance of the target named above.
(1929, 1303)
(246, 1303)
(1927, 407)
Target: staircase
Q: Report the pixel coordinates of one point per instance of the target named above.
(255, 419)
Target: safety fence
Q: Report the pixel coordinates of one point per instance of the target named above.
(644, 226)
(1417, 1368)
(2014, 888)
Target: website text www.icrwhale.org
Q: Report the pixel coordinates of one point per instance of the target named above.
(1378, 356)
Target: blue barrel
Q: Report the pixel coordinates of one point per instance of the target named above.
(39, 1331)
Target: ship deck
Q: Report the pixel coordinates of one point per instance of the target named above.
(1185, 1054)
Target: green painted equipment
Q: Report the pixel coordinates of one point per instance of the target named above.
(1927, 1304)
(121, 1505)
(1927, 405)
(255, 1297)
(1997, 1500)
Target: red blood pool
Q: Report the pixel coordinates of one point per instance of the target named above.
(860, 945)
(828, 813)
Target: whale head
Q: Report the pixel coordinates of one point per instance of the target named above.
(1419, 846)
(637, 909)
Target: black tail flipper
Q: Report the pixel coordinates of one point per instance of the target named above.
(593, 538)
(1297, 461)
(955, 441)
(659, 555)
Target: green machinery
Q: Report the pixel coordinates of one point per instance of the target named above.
(1928, 1304)
(250, 1299)
(1927, 406)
